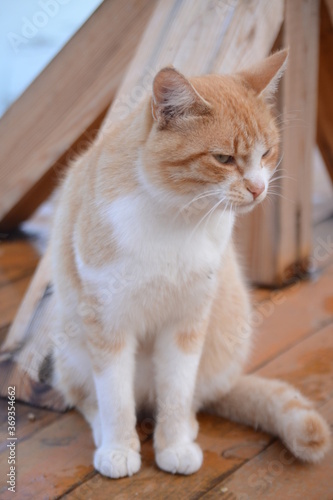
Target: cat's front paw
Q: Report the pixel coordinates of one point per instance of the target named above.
(308, 436)
(116, 462)
(180, 459)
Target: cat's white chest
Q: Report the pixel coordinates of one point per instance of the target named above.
(163, 274)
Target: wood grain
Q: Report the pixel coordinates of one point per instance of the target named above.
(28, 421)
(198, 38)
(283, 320)
(325, 84)
(277, 239)
(298, 136)
(57, 457)
(60, 105)
(275, 473)
(18, 259)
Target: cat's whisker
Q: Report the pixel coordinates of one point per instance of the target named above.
(273, 193)
(224, 210)
(199, 197)
(280, 169)
(289, 177)
(216, 207)
(288, 127)
(196, 227)
(278, 164)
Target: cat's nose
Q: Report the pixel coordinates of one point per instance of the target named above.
(255, 188)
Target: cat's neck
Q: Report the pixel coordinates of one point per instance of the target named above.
(138, 220)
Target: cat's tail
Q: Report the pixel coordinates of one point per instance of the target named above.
(279, 409)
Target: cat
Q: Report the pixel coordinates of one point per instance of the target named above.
(151, 299)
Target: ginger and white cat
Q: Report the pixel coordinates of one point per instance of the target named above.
(150, 296)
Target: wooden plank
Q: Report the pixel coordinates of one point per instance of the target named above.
(45, 185)
(299, 96)
(275, 473)
(308, 365)
(322, 196)
(56, 458)
(28, 422)
(291, 315)
(325, 83)
(18, 259)
(278, 239)
(10, 298)
(322, 232)
(192, 36)
(226, 446)
(67, 97)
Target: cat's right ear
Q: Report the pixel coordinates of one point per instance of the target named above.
(175, 99)
(264, 77)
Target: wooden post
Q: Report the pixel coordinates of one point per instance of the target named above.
(276, 239)
(325, 86)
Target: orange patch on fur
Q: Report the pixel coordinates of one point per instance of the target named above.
(280, 390)
(103, 349)
(189, 342)
(295, 404)
(112, 346)
(315, 435)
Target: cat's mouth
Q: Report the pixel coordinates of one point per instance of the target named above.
(248, 206)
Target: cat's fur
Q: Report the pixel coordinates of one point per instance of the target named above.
(153, 307)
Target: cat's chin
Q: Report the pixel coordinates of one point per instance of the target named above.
(243, 209)
(247, 207)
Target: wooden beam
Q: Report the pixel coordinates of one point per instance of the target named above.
(325, 86)
(298, 137)
(62, 103)
(277, 238)
(198, 38)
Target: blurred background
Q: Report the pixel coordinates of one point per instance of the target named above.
(32, 33)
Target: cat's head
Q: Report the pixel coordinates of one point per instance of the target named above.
(214, 135)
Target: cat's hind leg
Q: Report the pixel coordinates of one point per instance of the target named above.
(279, 409)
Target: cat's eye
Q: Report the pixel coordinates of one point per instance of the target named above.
(224, 159)
(267, 153)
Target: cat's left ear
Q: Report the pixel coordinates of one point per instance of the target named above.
(175, 99)
(264, 77)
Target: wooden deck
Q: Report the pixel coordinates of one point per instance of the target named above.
(294, 342)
